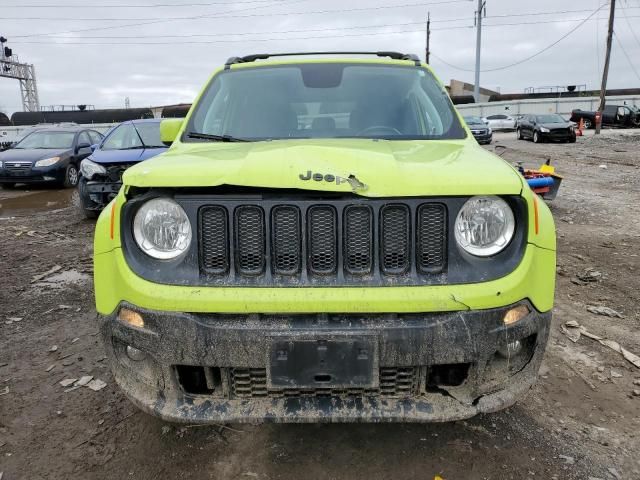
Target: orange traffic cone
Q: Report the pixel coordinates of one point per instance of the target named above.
(580, 128)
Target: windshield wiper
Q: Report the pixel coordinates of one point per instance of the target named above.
(139, 147)
(215, 138)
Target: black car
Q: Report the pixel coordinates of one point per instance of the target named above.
(542, 128)
(47, 155)
(480, 130)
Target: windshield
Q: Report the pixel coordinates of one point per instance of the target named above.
(53, 140)
(550, 119)
(133, 136)
(326, 100)
(473, 121)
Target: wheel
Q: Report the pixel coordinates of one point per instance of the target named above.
(587, 123)
(8, 186)
(536, 137)
(71, 176)
(519, 134)
(572, 140)
(86, 203)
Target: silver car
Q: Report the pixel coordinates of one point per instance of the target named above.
(500, 122)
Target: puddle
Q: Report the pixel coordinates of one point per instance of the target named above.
(26, 202)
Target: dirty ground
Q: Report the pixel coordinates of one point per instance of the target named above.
(581, 421)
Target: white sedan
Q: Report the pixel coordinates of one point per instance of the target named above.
(500, 122)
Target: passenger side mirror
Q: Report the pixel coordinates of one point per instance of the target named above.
(169, 130)
(93, 147)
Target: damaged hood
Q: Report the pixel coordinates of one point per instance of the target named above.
(375, 168)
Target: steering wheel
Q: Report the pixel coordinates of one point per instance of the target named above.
(379, 128)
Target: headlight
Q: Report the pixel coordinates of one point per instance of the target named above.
(544, 130)
(489, 131)
(162, 229)
(88, 169)
(47, 162)
(484, 226)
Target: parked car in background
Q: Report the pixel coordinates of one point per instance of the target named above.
(550, 127)
(101, 173)
(480, 130)
(612, 115)
(48, 155)
(501, 122)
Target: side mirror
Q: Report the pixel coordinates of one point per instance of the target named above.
(169, 130)
(82, 146)
(93, 147)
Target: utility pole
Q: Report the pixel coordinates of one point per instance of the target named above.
(481, 10)
(427, 51)
(605, 72)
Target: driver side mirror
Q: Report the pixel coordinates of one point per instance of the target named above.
(82, 146)
(93, 147)
(169, 130)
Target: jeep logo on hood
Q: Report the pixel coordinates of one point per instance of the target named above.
(327, 177)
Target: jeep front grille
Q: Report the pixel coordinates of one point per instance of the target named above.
(315, 243)
(398, 382)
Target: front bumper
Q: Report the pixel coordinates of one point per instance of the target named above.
(483, 138)
(225, 344)
(557, 136)
(33, 175)
(95, 194)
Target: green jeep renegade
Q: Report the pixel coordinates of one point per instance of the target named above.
(324, 241)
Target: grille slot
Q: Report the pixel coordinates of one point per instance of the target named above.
(214, 240)
(358, 240)
(286, 240)
(431, 238)
(396, 382)
(395, 238)
(250, 240)
(323, 239)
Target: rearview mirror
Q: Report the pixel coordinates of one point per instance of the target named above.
(169, 130)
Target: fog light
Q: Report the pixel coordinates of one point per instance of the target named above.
(135, 354)
(132, 318)
(515, 314)
(511, 349)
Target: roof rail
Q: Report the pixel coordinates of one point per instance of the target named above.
(264, 56)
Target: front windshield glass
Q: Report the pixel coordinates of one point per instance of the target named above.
(150, 134)
(53, 140)
(550, 119)
(325, 100)
(473, 121)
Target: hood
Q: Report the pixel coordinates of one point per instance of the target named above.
(555, 125)
(31, 154)
(386, 168)
(125, 156)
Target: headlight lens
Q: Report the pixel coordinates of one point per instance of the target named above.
(489, 131)
(484, 226)
(88, 169)
(544, 130)
(47, 162)
(162, 229)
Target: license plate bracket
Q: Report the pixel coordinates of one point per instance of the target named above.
(324, 363)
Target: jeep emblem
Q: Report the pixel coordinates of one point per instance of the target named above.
(319, 177)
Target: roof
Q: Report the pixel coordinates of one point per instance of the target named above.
(377, 57)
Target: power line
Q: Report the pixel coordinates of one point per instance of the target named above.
(626, 55)
(530, 56)
(154, 5)
(231, 14)
(81, 40)
(624, 14)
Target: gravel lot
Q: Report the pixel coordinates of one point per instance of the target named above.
(582, 419)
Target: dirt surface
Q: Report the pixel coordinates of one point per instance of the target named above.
(580, 421)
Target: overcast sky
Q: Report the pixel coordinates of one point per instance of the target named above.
(79, 61)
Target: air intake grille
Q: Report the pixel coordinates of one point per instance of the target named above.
(249, 240)
(396, 382)
(431, 237)
(305, 243)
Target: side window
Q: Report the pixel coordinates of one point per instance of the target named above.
(492, 117)
(95, 137)
(84, 138)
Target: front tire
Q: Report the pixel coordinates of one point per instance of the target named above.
(85, 202)
(536, 137)
(519, 134)
(71, 176)
(587, 123)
